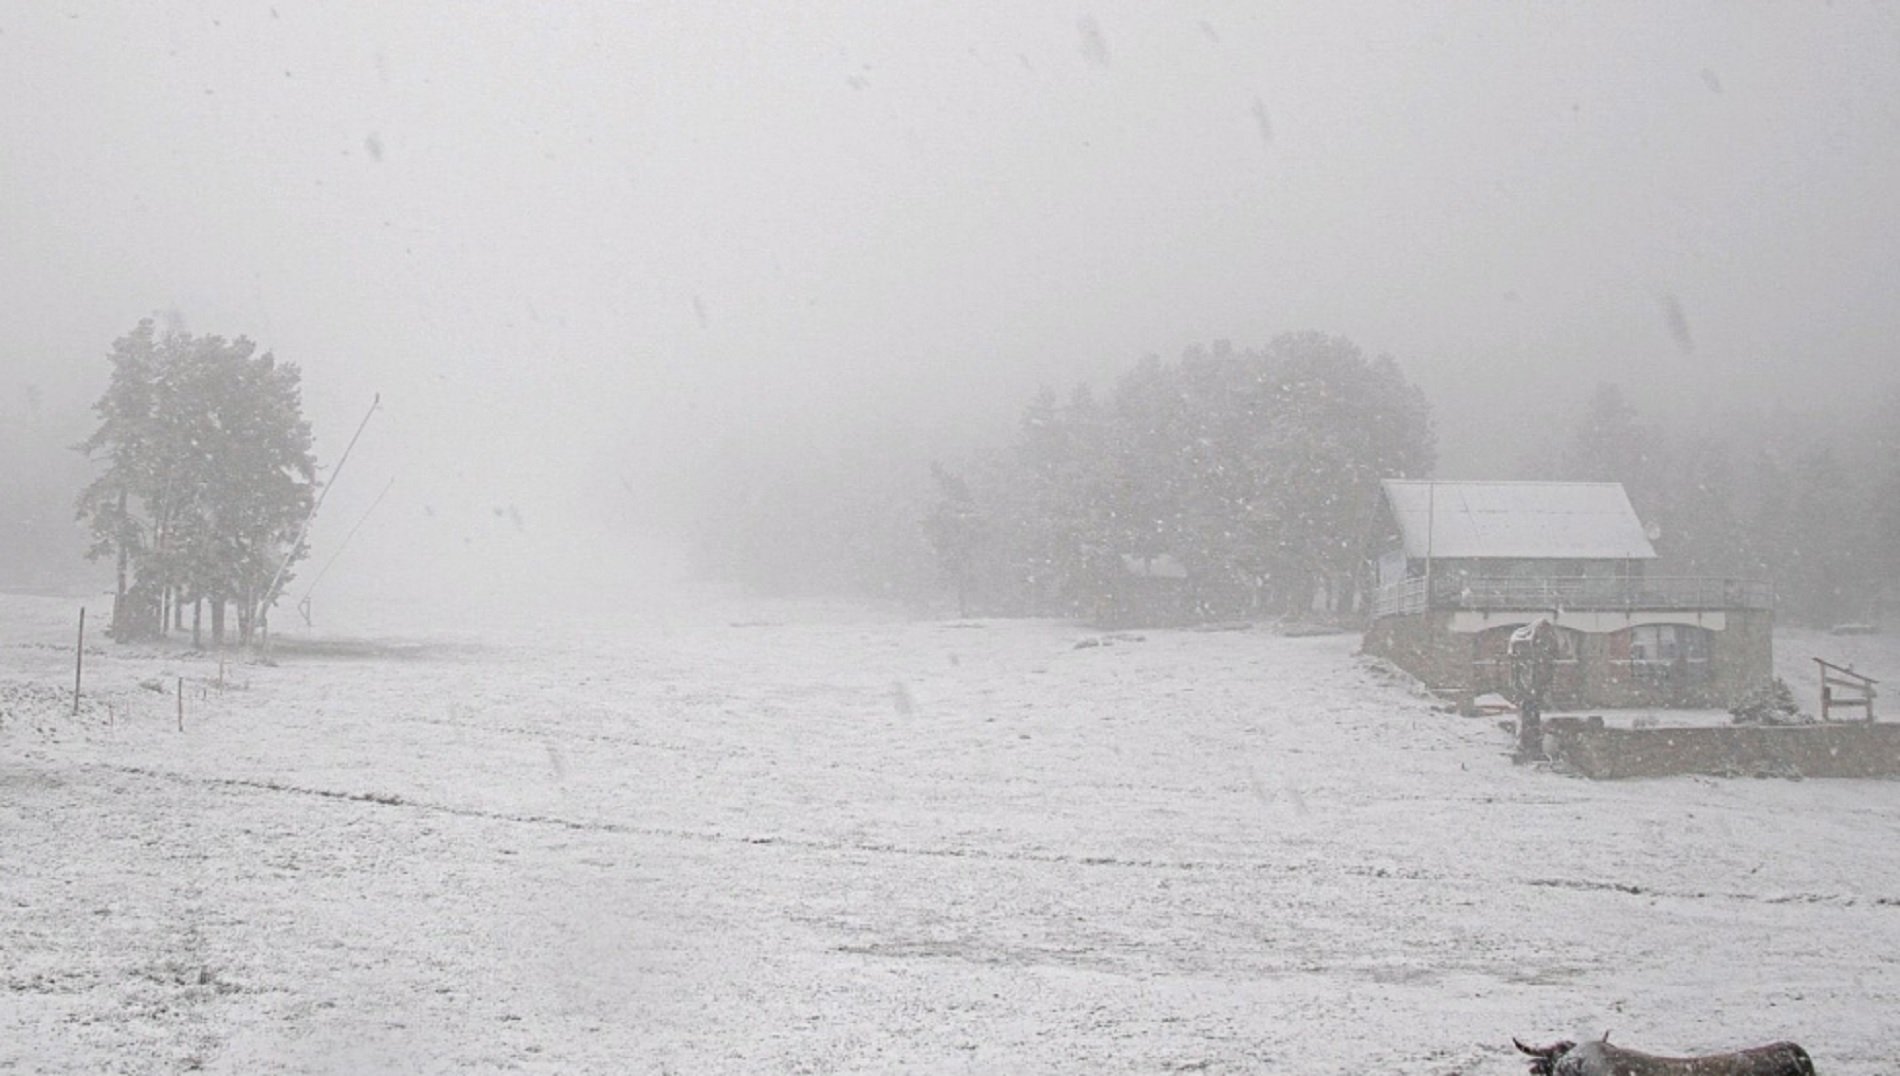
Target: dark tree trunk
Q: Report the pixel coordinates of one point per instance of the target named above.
(120, 618)
(217, 621)
(247, 617)
(197, 617)
(162, 592)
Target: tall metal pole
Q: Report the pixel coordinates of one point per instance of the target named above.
(270, 592)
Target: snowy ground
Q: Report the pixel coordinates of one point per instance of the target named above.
(780, 845)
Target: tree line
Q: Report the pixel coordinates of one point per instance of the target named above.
(208, 480)
(1255, 472)
(1810, 505)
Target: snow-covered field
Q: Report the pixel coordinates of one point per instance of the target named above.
(774, 843)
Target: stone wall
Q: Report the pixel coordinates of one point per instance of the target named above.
(1423, 645)
(1858, 749)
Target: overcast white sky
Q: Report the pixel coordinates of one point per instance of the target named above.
(567, 238)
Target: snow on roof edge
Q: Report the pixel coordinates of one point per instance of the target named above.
(1516, 519)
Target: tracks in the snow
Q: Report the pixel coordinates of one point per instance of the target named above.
(1010, 855)
(681, 747)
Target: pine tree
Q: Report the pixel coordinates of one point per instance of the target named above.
(1825, 574)
(1700, 531)
(1612, 444)
(955, 528)
(126, 436)
(209, 478)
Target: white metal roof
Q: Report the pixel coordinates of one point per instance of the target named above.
(1554, 520)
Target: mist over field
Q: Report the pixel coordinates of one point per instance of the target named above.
(615, 270)
(743, 537)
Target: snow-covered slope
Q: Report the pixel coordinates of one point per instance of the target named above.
(778, 844)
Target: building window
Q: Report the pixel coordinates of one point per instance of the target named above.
(1491, 663)
(1664, 652)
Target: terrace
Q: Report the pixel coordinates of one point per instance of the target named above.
(1575, 593)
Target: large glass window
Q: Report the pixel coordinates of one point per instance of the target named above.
(1659, 651)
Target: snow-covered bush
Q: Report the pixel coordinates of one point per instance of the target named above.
(1769, 704)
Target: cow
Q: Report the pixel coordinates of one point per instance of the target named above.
(1602, 1059)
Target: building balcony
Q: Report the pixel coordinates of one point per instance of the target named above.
(1570, 593)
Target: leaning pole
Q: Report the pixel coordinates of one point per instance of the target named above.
(277, 579)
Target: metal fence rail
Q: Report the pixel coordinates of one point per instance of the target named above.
(1399, 598)
(1579, 593)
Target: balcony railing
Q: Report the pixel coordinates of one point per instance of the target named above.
(1577, 593)
(1399, 597)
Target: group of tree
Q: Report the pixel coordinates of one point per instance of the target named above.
(1808, 504)
(208, 480)
(1255, 473)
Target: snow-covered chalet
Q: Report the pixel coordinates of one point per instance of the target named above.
(1463, 564)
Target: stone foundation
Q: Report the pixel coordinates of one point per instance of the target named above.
(1833, 750)
(1458, 653)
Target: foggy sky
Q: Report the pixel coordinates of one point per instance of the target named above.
(573, 245)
